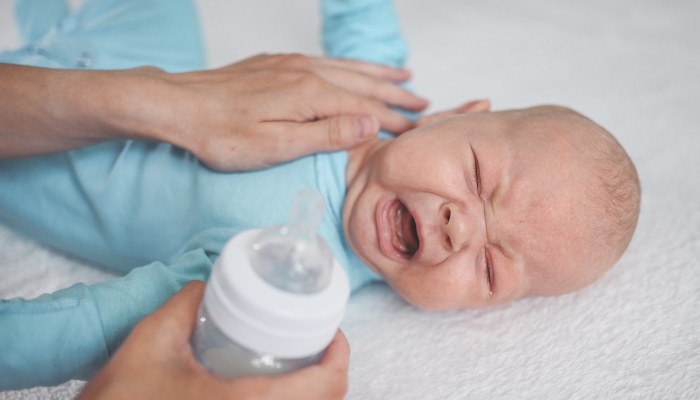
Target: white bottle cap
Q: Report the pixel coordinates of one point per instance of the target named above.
(267, 319)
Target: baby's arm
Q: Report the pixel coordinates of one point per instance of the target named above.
(365, 30)
(71, 333)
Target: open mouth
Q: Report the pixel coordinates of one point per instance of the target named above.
(404, 235)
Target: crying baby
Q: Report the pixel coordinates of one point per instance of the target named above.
(476, 208)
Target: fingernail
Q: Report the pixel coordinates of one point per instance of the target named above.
(364, 126)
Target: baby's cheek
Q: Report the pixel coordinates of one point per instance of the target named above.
(426, 287)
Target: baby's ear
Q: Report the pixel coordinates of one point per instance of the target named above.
(475, 106)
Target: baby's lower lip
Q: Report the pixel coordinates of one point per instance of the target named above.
(384, 230)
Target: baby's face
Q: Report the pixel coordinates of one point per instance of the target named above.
(473, 210)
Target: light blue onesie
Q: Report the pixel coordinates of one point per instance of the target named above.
(147, 209)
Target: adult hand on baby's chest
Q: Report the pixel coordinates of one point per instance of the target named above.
(270, 109)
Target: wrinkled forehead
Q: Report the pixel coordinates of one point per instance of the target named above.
(545, 206)
(540, 128)
(549, 237)
(545, 128)
(542, 208)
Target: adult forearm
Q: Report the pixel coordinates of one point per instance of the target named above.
(50, 110)
(251, 114)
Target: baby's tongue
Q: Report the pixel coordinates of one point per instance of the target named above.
(406, 237)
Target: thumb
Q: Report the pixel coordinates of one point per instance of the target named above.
(335, 133)
(173, 321)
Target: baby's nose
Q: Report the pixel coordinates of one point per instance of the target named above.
(459, 227)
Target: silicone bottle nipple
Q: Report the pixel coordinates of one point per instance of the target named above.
(293, 257)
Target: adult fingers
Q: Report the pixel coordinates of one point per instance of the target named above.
(157, 340)
(328, 379)
(372, 87)
(366, 79)
(371, 69)
(343, 102)
(175, 319)
(327, 100)
(337, 355)
(298, 139)
(300, 61)
(183, 305)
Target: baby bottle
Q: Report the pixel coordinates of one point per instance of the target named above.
(274, 300)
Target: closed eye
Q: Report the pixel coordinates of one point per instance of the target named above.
(488, 271)
(477, 173)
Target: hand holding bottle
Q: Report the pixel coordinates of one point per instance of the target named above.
(156, 361)
(274, 299)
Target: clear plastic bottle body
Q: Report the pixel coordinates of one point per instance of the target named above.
(226, 358)
(274, 299)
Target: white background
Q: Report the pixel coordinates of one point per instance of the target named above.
(632, 66)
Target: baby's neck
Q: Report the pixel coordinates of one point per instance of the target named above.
(360, 157)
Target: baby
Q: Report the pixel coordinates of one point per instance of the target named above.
(470, 209)
(478, 209)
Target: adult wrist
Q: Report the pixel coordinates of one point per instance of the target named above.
(133, 105)
(150, 104)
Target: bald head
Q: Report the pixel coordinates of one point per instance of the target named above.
(599, 196)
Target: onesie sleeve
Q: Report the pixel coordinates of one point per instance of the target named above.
(365, 30)
(108, 35)
(70, 334)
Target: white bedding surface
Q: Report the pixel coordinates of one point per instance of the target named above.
(632, 66)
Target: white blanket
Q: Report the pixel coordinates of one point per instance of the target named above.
(632, 66)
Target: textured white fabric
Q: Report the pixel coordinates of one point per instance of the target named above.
(630, 65)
